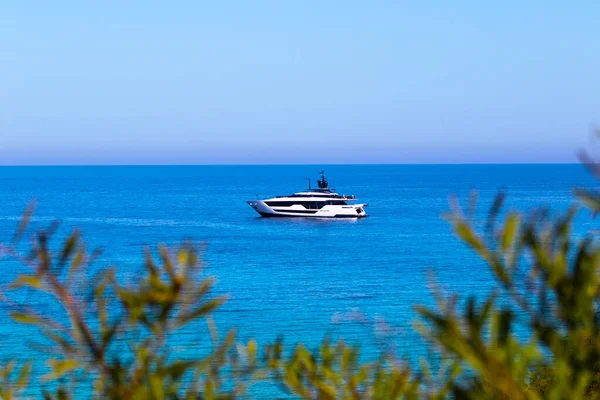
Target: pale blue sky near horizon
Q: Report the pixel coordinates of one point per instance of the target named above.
(297, 82)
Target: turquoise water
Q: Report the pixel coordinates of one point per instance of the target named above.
(302, 279)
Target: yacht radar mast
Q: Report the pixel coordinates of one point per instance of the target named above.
(323, 185)
(322, 182)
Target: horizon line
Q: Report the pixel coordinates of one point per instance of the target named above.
(279, 164)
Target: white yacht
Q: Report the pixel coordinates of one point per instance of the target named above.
(314, 203)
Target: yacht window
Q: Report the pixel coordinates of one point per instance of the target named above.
(280, 203)
(310, 205)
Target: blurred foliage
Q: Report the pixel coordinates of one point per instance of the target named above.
(536, 336)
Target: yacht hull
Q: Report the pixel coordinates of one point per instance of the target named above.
(328, 211)
(291, 215)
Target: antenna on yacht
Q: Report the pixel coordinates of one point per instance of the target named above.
(308, 182)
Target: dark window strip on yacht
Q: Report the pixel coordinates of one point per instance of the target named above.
(306, 204)
(296, 211)
(288, 203)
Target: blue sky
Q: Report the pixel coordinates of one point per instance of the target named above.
(144, 82)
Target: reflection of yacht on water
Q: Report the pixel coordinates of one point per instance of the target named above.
(313, 203)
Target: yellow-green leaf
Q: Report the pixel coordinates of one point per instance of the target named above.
(26, 318)
(59, 368)
(510, 230)
(27, 280)
(24, 375)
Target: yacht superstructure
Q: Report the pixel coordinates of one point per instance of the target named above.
(314, 203)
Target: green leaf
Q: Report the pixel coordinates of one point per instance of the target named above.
(62, 394)
(63, 343)
(68, 247)
(166, 259)
(7, 369)
(201, 311)
(156, 385)
(205, 286)
(178, 368)
(590, 199)
(495, 210)
(504, 324)
(465, 232)
(26, 318)
(510, 230)
(108, 334)
(24, 222)
(29, 281)
(24, 375)
(252, 349)
(59, 368)
(76, 263)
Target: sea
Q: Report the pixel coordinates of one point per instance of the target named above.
(298, 279)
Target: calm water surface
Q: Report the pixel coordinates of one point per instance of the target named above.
(302, 279)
